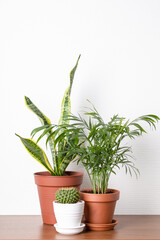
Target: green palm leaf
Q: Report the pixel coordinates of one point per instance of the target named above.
(36, 152)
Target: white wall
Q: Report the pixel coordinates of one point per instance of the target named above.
(119, 71)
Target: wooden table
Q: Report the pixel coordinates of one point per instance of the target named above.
(31, 227)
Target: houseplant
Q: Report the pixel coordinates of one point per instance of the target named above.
(60, 144)
(104, 151)
(68, 211)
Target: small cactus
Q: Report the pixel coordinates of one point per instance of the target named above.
(67, 195)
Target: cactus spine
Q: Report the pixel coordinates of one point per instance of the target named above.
(67, 195)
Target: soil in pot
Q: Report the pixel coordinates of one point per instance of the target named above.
(91, 191)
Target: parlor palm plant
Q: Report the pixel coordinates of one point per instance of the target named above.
(106, 148)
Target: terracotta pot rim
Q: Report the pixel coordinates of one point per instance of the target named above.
(114, 191)
(92, 197)
(46, 174)
(45, 179)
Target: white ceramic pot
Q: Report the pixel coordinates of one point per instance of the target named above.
(69, 215)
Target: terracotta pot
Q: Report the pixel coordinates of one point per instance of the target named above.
(48, 185)
(99, 208)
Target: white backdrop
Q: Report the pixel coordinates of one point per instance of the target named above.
(119, 72)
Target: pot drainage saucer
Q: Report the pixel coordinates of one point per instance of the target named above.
(101, 227)
(70, 230)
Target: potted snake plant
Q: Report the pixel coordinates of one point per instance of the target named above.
(104, 151)
(61, 142)
(68, 210)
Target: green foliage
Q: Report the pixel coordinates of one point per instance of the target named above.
(37, 153)
(105, 148)
(67, 195)
(61, 140)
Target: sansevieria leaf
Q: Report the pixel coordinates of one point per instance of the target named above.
(44, 120)
(65, 162)
(66, 103)
(57, 135)
(36, 152)
(65, 112)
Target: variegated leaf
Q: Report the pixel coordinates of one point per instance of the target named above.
(66, 103)
(65, 162)
(36, 152)
(44, 120)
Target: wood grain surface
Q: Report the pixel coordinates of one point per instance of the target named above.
(129, 227)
